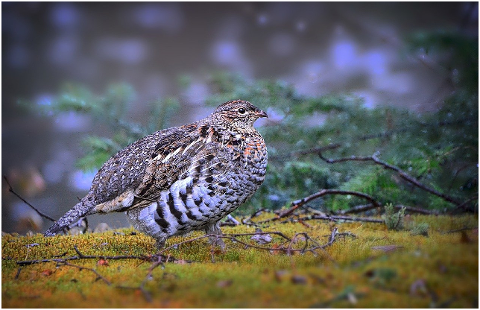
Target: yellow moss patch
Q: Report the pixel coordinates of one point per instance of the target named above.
(378, 268)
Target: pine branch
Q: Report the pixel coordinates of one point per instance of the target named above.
(380, 135)
(399, 171)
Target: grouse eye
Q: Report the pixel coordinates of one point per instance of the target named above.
(241, 111)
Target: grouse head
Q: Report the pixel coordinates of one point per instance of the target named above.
(239, 114)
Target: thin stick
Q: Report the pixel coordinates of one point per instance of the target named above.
(342, 218)
(10, 189)
(458, 230)
(416, 210)
(462, 205)
(80, 256)
(357, 209)
(18, 273)
(363, 208)
(299, 203)
(99, 276)
(311, 245)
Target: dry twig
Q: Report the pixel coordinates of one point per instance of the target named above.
(363, 208)
(288, 246)
(301, 202)
(285, 248)
(82, 256)
(10, 189)
(99, 276)
(335, 218)
(458, 230)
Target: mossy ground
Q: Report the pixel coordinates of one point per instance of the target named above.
(438, 270)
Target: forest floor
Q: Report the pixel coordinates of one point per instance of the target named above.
(312, 263)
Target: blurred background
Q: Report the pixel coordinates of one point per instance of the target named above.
(318, 48)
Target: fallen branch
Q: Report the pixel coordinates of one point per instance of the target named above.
(298, 203)
(416, 210)
(99, 276)
(301, 202)
(231, 237)
(248, 219)
(363, 208)
(17, 275)
(458, 230)
(82, 256)
(464, 204)
(357, 209)
(335, 218)
(230, 224)
(287, 247)
(231, 219)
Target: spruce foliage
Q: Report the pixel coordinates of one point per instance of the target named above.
(438, 149)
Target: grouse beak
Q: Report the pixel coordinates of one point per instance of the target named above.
(261, 113)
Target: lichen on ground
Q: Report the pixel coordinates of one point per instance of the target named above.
(376, 268)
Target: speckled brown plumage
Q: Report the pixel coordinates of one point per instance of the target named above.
(182, 178)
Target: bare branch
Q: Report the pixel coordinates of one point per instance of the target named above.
(248, 220)
(287, 247)
(223, 224)
(17, 275)
(299, 203)
(357, 209)
(323, 192)
(464, 204)
(10, 189)
(231, 237)
(416, 210)
(99, 276)
(335, 218)
(363, 208)
(458, 230)
(81, 256)
(261, 233)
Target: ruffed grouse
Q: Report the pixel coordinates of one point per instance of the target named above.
(183, 178)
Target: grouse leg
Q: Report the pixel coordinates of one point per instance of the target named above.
(214, 229)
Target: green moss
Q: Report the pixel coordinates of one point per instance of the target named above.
(394, 220)
(420, 229)
(378, 268)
